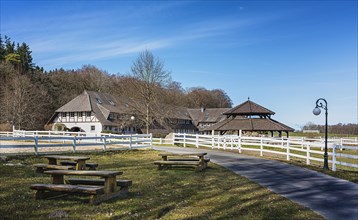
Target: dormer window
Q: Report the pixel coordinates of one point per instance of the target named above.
(98, 101)
(111, 102)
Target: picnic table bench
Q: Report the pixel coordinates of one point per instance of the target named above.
(196, 160)
(70, 163)
(99, 190)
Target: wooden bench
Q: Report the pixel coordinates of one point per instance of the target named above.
(79, 160)
(123, 184)
(107, 190)
(195, 160)
(206, 160)
(91, 166)
(40, 167)
(49, 190)
(167, 163)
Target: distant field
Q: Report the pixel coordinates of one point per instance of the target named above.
(301, 134)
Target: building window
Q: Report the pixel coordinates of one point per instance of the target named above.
(88, 114)
(72, 114)
(80, 114)
(98, 101)
(93, 128)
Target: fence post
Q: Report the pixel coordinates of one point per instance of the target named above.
(104, 143)
(74, 144)
(212, 141)
(232, 144)
(36, 145)
(173, 139)
(261, 147)
(184, 139)
(302, 140)
(151, 140)
(219, 141)
(334, 157)
(239, 144)
(197, 140)
(160, 141)
(288, 150)
(341, 145)
(49, 136)
(308, 155)
(224, 142)
(130, 141)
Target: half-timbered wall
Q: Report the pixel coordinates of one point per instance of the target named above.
(75, 117)
(86, 121)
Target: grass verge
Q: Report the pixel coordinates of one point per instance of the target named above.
(215, 193)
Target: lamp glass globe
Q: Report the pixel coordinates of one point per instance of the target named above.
(316, 111)
(132, 117)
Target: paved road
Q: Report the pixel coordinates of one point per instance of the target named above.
(331, 197)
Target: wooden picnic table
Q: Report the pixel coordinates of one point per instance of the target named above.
(166, 155)
(185, 159)
(80, 160)
(99, 190)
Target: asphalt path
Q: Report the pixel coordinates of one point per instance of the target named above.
(331, 197)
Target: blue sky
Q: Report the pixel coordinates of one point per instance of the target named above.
(284, 55)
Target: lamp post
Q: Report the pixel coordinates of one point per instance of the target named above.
(322, 103)
(133, 122)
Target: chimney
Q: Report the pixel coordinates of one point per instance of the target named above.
(202, 109)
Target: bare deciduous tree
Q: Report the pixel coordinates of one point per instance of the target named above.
(150, 72)
(26, 103)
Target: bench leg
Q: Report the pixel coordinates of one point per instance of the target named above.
(124, 189)
(39, 170)
(200, 168)
(97, 199)
(42, 194)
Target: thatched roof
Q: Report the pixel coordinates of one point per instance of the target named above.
(79, 104)
(249, 116)
(102, 104)
(211, 115)
(249, 108)
(249, 124)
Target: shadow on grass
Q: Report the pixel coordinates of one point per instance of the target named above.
(215, 193)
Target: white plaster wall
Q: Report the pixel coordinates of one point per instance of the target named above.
(84, 123)
(86, 126)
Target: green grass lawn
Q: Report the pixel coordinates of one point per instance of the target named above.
(215, 193)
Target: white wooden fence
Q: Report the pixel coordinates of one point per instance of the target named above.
(37, 142)
(307, 149)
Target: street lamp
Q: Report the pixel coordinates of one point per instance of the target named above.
(132, 119)
(322, 103)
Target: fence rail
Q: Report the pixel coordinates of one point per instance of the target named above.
(37, 142)
(307, 149)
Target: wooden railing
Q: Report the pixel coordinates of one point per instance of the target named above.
(38, 142)
(306, 149)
